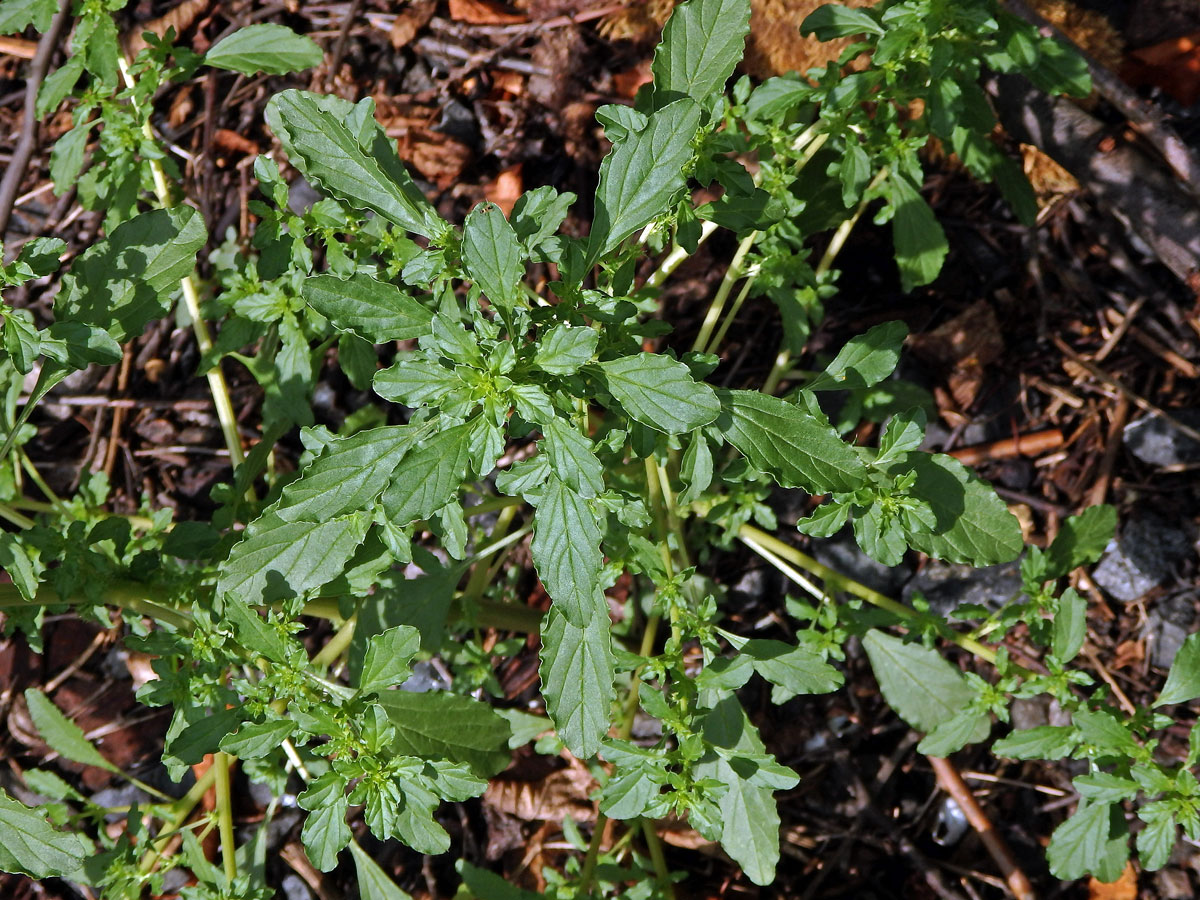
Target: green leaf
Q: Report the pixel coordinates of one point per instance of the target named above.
(1155, 842)
(577, 680)
(917, 682)
(386, 662)
(279, 559)
(904, 432)
(428, 478)
(492, 255)
(793, 670)
(1081, 541)
(416, 381)
(1085, 842)
(1183, 681)
(438, 725)
(749, 816)
(572, 458)
(66, 157)
(955, 733)
(865, 360)
(1042, 742)
(564, 349)
(119, 284)
(17, 15)
(920, 242)
(660, 393)
(252, 632)
(1070, 626)
(64, 736)
(1105, 787)
(58, 85)
(373, 882)
(566, 552)
(377, 311)
(359, 166)
(272, 49)
(701, 43)
(31, 847)
(973, 525)
(350, 474)
(641, 176)
(697, 468)
(785, 440)
(257, 739)
(325, 833)
(833, 21)
(485, 885)
(538, 213)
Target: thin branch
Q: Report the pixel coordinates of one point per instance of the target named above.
(15, 173)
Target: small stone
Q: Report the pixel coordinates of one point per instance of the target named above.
(1029, 712)
(1167, 626)
(293, 887)
(947, 586)
(1157, 442)
(424, 678)
(1141, 559)
(1173, 884)
(842, 554)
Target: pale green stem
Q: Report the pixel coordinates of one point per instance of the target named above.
(479, 579)
(191, 298)
(732, 274)
(674, 259)
(222, 762)
(719, 337)
(15, 517)
(181, 809)
(336, 645)
(35, 476)
(654, 845)
(774, 550)
(783, 360)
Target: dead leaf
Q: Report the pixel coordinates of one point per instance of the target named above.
(626, 83)
(411, 20)
(438, 158)
(1128, 653)
(1172, 65)
(483, 12)
(506, 189)
(966, 344)
(1124, 888)
(551, 799)
(232, 142)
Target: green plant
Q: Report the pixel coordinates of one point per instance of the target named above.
(634, 466)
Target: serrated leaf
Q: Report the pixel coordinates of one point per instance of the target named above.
(1081, 540)
(265, 47)
(1104, 787)
(373, 882)
(325, 833)
(438, 725)
(641, 176)
(955, 733)
(865, 360)
(973, 525)
(1183, 681)
(749, 815)
(793, 670)
(31, 847)
(572, 458)
(1041, 742)
(17, 15)
(492, 255)
(834, 21)
(1092, 840)
(428, 477)
(386, 661)
(349, 475)
(1155, 842)
(1070, 626)
(920, 242)
(566, 552)
(281, 559)
(785, 440)
(119, 284)
(701, 43)
(577, 680)
(257, 739)
(416, 381)
(917, 682)
(376, 311)
(564, 349)
(360, 168)
(660, 393)
(64, 736)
